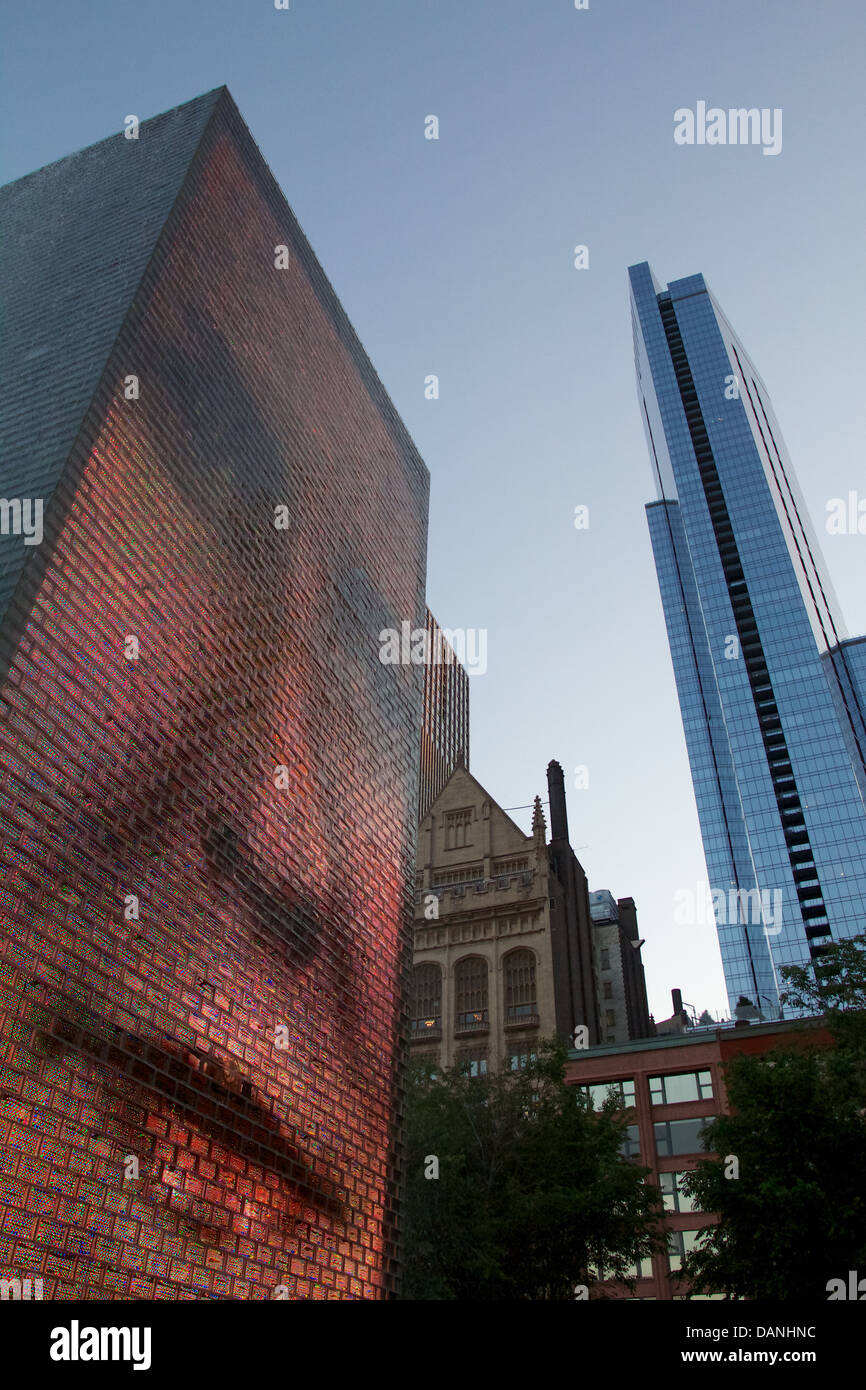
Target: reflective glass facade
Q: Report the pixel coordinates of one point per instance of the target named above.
(771, 690)
(208, 778)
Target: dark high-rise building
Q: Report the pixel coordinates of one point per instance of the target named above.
(622, 998)
(570, 918)
(772, 692)
(208, 778)
(445, 732)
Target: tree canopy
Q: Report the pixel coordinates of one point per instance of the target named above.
(532, 1196)
(792, 1210)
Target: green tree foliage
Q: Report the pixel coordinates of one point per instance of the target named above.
(532, 1193)
(835, 989)
(795, 1216)
(834, 985)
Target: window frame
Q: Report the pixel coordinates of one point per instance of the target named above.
(667, 1125)
(705, 1089)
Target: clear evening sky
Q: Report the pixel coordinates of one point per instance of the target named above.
(455, 257)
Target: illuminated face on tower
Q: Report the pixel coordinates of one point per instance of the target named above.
(211, 779)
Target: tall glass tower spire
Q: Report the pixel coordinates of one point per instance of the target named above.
(772, 691)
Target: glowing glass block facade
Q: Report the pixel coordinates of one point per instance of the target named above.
(771, 690)
(209, 779)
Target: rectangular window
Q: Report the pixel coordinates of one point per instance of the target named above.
(611, 1018)
(462, 876)
(680, 1243)
(688, 1085)
(672, 1195)
(458, 829)
(680, 1136)
(640, 1269)
(630, 1146)
(605, 955)
(518, 1060)
(509, 866)
(621, 1091)
(608, 989)
(474, 1063)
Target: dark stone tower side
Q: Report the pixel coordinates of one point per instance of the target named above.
(571, 924)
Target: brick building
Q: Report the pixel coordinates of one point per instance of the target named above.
(671, 1086)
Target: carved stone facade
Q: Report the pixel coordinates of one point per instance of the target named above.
(503, 940)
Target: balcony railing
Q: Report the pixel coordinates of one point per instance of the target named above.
(426, 1029)
(475, 1022)
(522, 1016)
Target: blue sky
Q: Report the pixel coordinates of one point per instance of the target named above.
(455, 257)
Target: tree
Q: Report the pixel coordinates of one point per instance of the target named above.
(835, 983)
(794, 1216)
(834, 987)
(532, 1193)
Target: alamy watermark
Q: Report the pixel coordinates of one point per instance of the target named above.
(77, 1343)
(855, 1290)
(416, 647)
(22, 516)
(846, 516)
(21, 1289)
(700, 906)
(736, 126)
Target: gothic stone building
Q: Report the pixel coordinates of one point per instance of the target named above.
(503, 931)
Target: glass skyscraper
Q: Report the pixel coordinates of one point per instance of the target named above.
(772, 692)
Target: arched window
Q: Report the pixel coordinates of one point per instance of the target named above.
(426, 1000)
(470, 993)
(521, 1004)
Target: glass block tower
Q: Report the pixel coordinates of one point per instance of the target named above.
(772, 693)
(208, 778)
